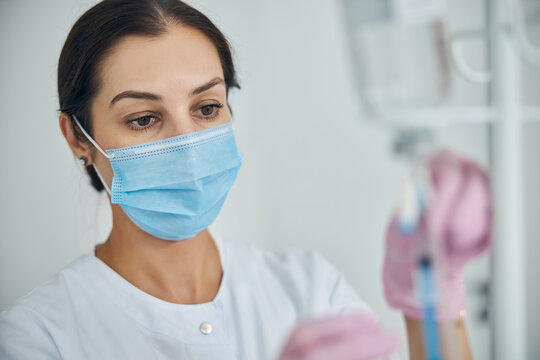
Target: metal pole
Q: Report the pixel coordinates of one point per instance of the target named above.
(508, 265)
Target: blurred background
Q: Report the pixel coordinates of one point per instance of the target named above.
(317, 121)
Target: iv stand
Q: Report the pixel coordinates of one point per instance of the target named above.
(507, 307)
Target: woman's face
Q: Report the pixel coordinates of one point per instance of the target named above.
(155, 88)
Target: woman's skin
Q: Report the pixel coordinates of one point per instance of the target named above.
(454, 341)
(157, 79)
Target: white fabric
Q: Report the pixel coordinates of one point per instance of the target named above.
(88, 311)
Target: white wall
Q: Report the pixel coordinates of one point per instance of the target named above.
(48, 215)
(315, 173)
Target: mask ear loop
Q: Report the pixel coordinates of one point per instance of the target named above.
(90, 139)
(100, 150)
(102, 181)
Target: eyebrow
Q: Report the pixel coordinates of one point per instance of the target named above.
(149, 96)
(215, 81)
(135, 95)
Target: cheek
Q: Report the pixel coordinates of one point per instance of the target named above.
(220, 120)
(112, 133)
(106, 133)
(106, 130)
(104, 167)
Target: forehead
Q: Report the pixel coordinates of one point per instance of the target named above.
(182, 56)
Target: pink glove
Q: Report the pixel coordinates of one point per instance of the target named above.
(459, 217)
(344, 337)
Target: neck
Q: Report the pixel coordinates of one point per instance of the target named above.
(184, 272)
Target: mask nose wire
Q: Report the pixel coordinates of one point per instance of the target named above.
(100, 150)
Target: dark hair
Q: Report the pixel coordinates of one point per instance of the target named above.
(100, 28)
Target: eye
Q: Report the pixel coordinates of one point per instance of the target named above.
(207, 110)
(142, 123)
(210, 111)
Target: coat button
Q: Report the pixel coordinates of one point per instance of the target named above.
(206, 328)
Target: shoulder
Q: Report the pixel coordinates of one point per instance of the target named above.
(24, 335)
(278, 260)
(304, 274)
(25, 328)
(297, 263)
(55, 292)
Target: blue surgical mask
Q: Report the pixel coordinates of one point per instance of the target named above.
(174, 188)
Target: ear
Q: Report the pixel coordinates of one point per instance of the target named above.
(79, 148)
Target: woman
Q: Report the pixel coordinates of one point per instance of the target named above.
(143, 88)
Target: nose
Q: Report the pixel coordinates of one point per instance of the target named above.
(181, 123)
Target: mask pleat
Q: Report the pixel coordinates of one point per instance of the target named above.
(175, 188)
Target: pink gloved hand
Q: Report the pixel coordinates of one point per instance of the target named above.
(459, 219)
(345, 337)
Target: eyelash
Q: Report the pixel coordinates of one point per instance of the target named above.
(132, 123)
(214, 113)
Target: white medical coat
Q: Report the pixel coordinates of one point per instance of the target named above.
(88, 311)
